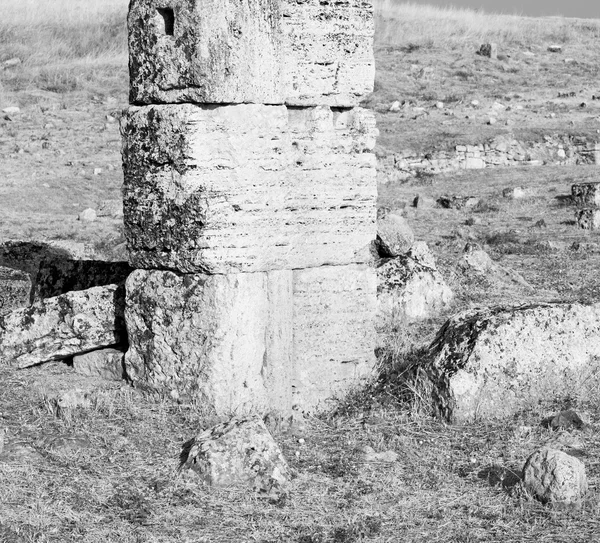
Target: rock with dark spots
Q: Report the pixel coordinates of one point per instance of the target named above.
(489, 50)
(554, 477)
(15, 290)
(457, 202)
(104, 363)
(245, 188)
(62, 326)
(491, 363)
(394, 235)
(240, 453)
(588, 218)
(410, 289)
(586, 194)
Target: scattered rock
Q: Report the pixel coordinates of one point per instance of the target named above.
(439, 105)
(239, 453)
(475, 103)
(110, 208)
(369, 455)
(59, 327)
(555, 48)
(540, 224)
(588, 218)
(554, 477)
(491, 363)
(15, 290)
(586, 194)
(395, 106)
(87, 215)
(489, 50)
(423, 202)
(97, 171)
(104, 363)
(492, 120)
(565, 420)
(457, 202)
(394, 235)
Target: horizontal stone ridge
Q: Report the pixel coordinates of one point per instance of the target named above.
(252, 342)
(251, 51)
(243, 188)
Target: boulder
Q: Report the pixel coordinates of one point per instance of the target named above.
(476, 261)
(394, 235)
(410, 289)
(15, 290)
(266, 52)
(246, 188)
(62, 326)
(554, 477)
(104, 363)
(494, 362)
(240, 453)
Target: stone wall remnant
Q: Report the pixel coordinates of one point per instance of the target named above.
(250, 201)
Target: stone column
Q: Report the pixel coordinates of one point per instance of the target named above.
(249, 201)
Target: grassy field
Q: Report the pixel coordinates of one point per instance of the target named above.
(108, 474)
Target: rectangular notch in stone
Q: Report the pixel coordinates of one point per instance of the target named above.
(168, 19)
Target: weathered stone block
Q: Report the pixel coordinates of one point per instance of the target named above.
(253, 51)
(59, 327)
(495, 362)
(252, 341)
(15, 290)
(588, 218)
(247, 187)
(586, 194)
(103, 363)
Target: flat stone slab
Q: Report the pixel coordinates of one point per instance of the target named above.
(252, 342)
(62, 326)
(247, 188)
(267, 52)
(492, 363)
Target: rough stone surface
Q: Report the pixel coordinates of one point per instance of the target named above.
(586, 194)
(15, 290)
(410, 290)
(253, 341)
(104, 363)
(554, 477)
(238, 453)
(495, 362)
(394, 235)
(476, 261)
(248, 187)
(588, 218)
(266, 51)
(489, 50)
(62, 326)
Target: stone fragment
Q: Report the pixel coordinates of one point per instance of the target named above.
(494, 362)
(247, 187)
(588, 218)
(421, 253)
(87, 215)
(11, 110)
(239, 453)
(423, 202)
(15, 290)
(104, 363)
(62, 326)
(408, 289)
(271, 52)
(555, 48)
(586, 194)
(11, 62)
(394, 234)
(395, 106)
(515, 193)
(565, 420)
(457, 202)
(252, 341)
(489, 50)
(555, 477)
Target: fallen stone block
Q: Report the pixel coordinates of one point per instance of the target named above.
(240, 453)
(409, 289)
(394, 234)
(457, 202)
(248, 187)
(588, 218)
(492, 363)
(554, 477)
(251, 342)
(266, 52)
(15, 290)
(586, 194)
(62, 326)
(104, 363)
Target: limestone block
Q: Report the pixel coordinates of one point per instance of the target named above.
(224, 339)
(586, 194)
(554, 477)
(262, 51)
(489, 50)
(238, 453)
(495, 362)
(588, 218)
(15, 290)
(394, 234)
(247, 187)
(334, 333)
(62, 326)
(104, 363)
(252, 342)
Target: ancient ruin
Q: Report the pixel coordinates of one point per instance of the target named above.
(249, 201)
